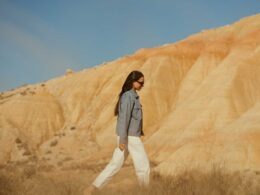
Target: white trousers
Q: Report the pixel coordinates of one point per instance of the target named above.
(141, 163)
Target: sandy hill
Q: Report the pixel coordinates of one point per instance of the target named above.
(201, 105)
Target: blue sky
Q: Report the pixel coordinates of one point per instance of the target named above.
(39, 40)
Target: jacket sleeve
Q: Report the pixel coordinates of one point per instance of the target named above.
(124, 116)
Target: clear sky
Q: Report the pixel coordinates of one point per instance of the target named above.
(40, 39)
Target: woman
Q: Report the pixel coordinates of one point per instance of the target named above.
(129, 128)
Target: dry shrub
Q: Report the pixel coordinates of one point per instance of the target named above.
(18, 140)
(72, 128)
(8, 184)
(31, 179)
(28, 180)
(197, 182)
(23, 93)
(54, 143)
(27, 153)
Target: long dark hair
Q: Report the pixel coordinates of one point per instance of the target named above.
(128, 84)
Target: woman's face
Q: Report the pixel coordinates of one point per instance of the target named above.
(137, 85)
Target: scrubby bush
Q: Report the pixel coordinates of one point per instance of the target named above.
(197, 182)
(32, 179)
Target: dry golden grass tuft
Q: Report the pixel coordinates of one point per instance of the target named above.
(32, 179)
(196, 182)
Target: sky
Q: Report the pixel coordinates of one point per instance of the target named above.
(39, 40)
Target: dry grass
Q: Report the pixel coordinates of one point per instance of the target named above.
(196, 182)
(33, 179)
(54, 143)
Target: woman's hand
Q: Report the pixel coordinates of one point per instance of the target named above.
(121, 147)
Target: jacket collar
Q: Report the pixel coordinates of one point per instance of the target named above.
(134, 93)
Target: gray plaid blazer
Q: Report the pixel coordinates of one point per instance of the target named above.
(130, 116)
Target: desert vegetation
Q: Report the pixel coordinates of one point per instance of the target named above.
(196, 182)
(35, 179)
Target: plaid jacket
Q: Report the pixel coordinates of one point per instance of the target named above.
(130, 116)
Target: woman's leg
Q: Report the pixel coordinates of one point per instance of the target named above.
(140, 160)
(112, 168)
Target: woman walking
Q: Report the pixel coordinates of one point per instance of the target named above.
(129, 128)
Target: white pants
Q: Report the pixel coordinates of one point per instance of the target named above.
(141, 163)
